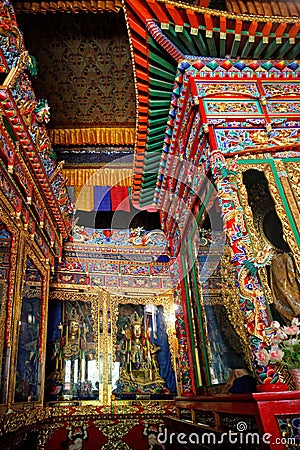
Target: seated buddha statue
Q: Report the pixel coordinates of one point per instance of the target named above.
(139, 368)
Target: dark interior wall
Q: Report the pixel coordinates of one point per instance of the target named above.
(119, 219)
(84, 67)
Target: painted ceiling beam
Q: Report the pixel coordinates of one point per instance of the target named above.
(285, 48)
(293, 32)
(209, 34)
(188, 40)
(199, 43)
(237, 38)
(250, 40)
(158, 11)
(271, 49)
(264, 42)
(172, 35)
(223, 36)
(193, 19)
(153, 161)
(154, 144)
(294, 51)
(176, 17)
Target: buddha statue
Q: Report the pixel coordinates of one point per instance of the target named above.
(139, 369)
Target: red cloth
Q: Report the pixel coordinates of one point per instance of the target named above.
(120, 198)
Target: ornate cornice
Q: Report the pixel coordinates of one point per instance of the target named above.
(75, 6)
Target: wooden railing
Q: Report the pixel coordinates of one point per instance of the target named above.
(257, 418)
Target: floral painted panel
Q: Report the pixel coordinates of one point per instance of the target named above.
(290, 107)
(239, 107)
(211, 88)
(281, 88)
(236, 140)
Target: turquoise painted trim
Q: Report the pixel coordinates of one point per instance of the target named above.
(207, 198)
(190, 321)
(224, 100)
(199, 312)
(290, 159)
(255, 161)
(162, 71)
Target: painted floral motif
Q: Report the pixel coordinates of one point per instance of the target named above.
(11, 39)
(286, 89)
(283, 346)
(276, 107)
(187, 117)
(40, 240)
(192, 135)
(103, 267)
(183, 369)
(233, 140)
(237, 140)
(252, 300)
(129, 269)
(133, 237)
(290, 429)
(210, 88)
(221, 107)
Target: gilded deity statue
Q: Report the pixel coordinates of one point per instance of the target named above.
(139, 370)
(73, 339)
(73, 329)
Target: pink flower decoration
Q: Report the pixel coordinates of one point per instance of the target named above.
(276, 340)
(291, 330)
(276, 354)
(262, 357)
(280, 335)
(282, 345)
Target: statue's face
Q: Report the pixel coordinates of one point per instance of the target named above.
(74, 328)
(137, 330)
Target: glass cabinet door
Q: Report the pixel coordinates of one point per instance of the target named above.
(5, 267)
(72, 371)
(28, 365)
